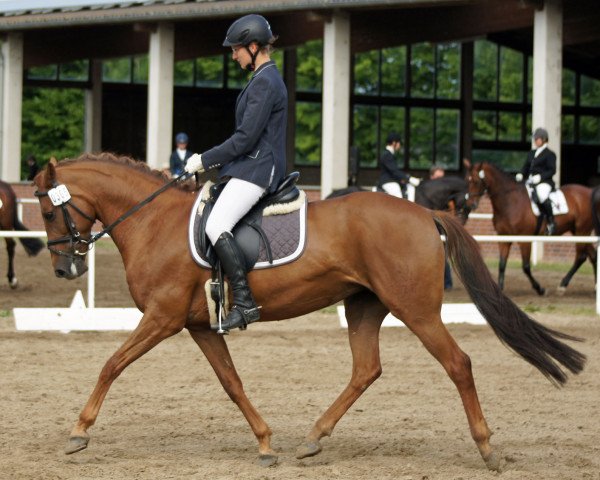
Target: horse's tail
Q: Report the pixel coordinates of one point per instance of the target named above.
(536, 343)
(31, 245)
(596, 209)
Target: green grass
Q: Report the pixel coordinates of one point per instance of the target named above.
(4, 313)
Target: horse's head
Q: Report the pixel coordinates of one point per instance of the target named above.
(68, 222)
(477, 186)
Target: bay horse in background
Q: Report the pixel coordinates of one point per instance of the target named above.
(9, 220)
(446, 193)
(354, 253)
(512, 215)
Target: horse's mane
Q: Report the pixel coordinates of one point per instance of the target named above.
(505, 176)
(107, 157)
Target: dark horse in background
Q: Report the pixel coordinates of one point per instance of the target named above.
(513, 216)
(10, 221)
(354, 253)
(445, 193)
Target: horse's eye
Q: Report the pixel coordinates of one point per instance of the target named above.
(49, 216)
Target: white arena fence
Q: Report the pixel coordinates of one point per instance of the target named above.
(91, 274)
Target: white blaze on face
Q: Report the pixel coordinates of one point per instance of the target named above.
(73, 269)
(0, 203)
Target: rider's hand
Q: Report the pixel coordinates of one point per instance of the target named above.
(535, 179)
(194, 164)
(414, 181)
(519, 177)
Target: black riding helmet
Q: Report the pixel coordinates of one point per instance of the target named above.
(248, 29)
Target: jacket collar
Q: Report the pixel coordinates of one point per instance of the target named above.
(262, 68)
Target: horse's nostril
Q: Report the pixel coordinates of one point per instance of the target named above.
(60, 273)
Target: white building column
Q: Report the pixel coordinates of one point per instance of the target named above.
(336, 104)
(93, 110)
(12, 107)
(547, 74)
(160, 96)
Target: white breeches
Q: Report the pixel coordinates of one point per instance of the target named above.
(543, 191)
(236, 199)
(393, 188)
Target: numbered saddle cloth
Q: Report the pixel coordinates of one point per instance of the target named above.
(557, 197)
(269, 236)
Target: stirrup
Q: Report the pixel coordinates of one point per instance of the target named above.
(243, 317)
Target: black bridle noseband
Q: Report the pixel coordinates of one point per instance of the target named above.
(60, 197)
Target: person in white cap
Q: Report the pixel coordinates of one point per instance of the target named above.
(538, 171)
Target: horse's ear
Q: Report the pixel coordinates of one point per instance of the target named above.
(51, 173)
(467, 163)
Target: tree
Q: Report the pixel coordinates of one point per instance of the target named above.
(53, 120)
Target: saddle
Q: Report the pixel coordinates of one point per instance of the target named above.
(270, 234)
(557, 198)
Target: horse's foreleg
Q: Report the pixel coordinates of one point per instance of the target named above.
(504, 248)
(581, 254)
(526, 266)
(438, 341)
(364, 313)
(149, 333)
(10, 249)
(215, 349)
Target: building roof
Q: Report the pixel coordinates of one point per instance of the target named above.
(27, 14)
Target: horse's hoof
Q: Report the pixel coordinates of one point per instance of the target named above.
(14, 283)
(267, 460)
(541, 292)
(308, 449)
(560, 291)
(76, 444)
(492, 462)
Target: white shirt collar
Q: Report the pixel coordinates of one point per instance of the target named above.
(540, 150)
(390, 149)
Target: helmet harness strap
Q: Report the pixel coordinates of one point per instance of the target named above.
(250, 67)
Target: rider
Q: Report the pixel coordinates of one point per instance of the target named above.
(180, 154)
(538, 171)
(251, 161)
(392, 180)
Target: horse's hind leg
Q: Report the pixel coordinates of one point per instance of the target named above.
(526, 265)
(364, 313)
(215, 349)
(10, 249)
(581, 254)
(438, 341)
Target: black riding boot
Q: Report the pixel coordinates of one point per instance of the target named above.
(244, 310)
(551, 227)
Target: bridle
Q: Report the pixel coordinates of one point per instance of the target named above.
(482, 191)
(60, 197)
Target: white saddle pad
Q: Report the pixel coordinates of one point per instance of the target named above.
(557, 197)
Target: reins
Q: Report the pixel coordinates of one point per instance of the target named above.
(60, 196)
(137, 207)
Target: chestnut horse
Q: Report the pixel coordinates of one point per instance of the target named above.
(513, 216)
(10, 221)
(374, 252)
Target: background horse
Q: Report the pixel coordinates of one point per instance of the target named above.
(355, 253)
(10, 221)
(444, 193)
(513, 216)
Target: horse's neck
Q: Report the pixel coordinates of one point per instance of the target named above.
(500, 189)
(116, 193)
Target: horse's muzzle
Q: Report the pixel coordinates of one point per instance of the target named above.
(70, 268)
